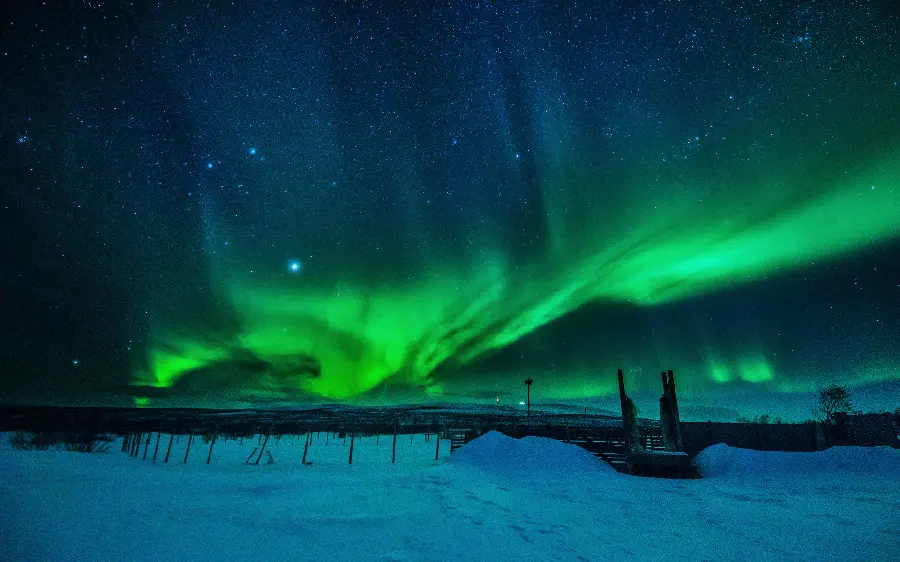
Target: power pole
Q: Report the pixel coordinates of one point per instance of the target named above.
(528, 383)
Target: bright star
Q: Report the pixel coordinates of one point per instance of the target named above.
(209, 165)
(294, 266)
(252, 151)
(75, 362)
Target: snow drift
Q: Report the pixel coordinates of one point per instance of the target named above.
(495, 452)
(495, 499)
(724, 461)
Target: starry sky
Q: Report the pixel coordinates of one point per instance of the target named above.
(258, 203)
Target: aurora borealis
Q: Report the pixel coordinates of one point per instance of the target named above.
(279, 202)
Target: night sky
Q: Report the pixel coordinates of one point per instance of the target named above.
(271, 203)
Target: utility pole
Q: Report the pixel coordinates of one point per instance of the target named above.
(528, 383)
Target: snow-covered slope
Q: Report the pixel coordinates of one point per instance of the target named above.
(549, 503)
(498, 453)
(837, 462)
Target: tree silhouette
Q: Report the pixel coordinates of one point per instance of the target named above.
(834, 399)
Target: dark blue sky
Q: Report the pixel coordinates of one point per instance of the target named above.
(294, 201)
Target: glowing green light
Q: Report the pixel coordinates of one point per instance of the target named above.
(755, 371)
(720, 373)
(362, 335)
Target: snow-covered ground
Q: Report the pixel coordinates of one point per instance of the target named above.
(495, 499)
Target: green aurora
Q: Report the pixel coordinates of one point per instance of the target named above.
(450, 317)
(270, 203)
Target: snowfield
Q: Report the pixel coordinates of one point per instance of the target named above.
(495, 499)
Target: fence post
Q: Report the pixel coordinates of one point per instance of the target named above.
(306, 446)
(211, 443)
(263, 448)
(169, 450)
(394, 449)
(156, 449)
(147, 446)
(437, 448)
(352, 435)
(188, 450)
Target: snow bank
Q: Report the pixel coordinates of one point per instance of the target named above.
(496, 452)
(66, 506)
(723, 461)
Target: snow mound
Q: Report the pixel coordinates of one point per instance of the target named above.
(723, 461)
(496, 452)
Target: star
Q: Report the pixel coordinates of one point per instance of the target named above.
(75, 362)
(209, 165)
(252, 151)
(294, 266)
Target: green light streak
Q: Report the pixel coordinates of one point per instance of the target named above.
(450, 317)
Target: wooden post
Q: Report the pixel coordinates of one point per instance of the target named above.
(679, 446)
(352, 435)
(147, 446)
(306, 446)
(626, 417)
(188, 450)
(327, 433)
(437, 448)
(156, 449)
(394, 449)
(211, 443)
(169, 450)
(667, 416)
(125, 442)
(253, 452)
(377, 437)
(263, 448)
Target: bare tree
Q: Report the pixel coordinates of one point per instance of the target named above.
(834, 399)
